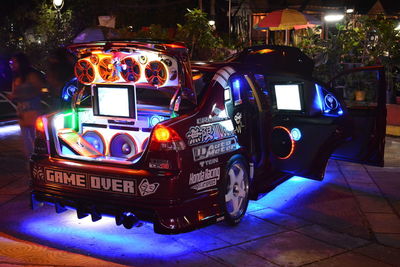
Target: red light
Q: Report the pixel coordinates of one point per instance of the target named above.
(164, 138)
(162, 134)
(175, 46)
(39, 125)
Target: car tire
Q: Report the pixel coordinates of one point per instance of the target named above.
(236, 185)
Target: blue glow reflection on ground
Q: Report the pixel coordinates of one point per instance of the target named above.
(101, 238)
(285, 193)
(66, 231)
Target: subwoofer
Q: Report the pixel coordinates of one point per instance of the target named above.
(84, 71)
(107, 70)
(282, 143)
(130, 69)
(122, 146)
(96, 140)
(156, 73)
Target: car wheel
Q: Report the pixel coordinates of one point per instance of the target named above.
(236, 185)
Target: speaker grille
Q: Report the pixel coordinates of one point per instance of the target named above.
(130, 69)
(156, 73)
(123, 146)
(84, 71)
(96, 140)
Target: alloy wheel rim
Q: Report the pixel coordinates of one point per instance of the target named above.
(237, 188)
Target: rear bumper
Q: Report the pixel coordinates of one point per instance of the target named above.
(99, 190)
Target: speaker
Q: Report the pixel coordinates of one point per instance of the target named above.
(122, 146)
(107, 70)
(84, 71)
(130, 69)
(96, 140)
(282, 144)
(156, 73)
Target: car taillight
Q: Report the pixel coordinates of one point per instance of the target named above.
(165, 139)
(39, 125)
(40, 136)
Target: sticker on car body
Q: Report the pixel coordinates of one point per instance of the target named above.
(208, 162)
(205, 133)
(87, 181)
(214, 149)
(204, 178)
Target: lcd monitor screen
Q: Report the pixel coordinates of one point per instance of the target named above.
(118, 102)
(288, 96)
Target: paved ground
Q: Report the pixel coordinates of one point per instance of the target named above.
(349, 219)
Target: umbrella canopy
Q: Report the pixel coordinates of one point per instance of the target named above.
(96, 33)
(286, 19)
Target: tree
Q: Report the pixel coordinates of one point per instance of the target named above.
(359, 39)
(199, 36)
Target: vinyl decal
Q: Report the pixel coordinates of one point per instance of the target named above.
(204, 179)
(210, 119)
(214, 149)
(202, 134)
(239, 124)
(38, 173)
(145, 188)
(91, 182)
(208, 162)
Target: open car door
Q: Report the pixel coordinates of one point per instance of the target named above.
(364, 93)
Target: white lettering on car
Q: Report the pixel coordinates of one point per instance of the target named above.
(67, 178)
(94, 182)
(214, 149)
(204, 178)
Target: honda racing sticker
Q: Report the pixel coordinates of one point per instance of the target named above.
(204, 179)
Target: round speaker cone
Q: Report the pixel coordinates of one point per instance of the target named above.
(96, 140)
(122, 146)
(281, 142)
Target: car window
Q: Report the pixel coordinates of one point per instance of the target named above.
(358, 88)
(262, 83)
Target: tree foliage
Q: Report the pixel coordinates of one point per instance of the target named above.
(37, 31)
(359, 39)
(199, 36)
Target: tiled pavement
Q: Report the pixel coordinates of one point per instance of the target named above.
(349, 219)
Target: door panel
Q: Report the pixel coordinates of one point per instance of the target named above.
(243, 110)
(364, 93)
(309, 134)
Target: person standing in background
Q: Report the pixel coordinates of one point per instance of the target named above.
(26, 92)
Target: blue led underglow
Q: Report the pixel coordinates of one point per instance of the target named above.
(287, 193)
(87, 237)
(296, 134)
(139, 246)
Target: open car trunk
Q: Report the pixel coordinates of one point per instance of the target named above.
(124, 90)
